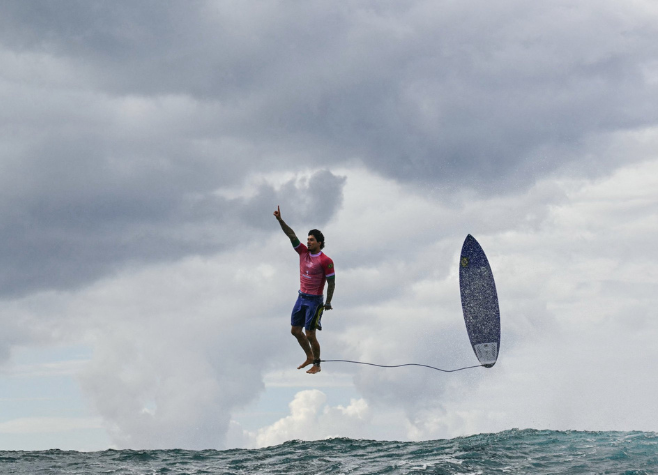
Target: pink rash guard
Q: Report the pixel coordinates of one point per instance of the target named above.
(313, 270)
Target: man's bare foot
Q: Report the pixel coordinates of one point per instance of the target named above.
(305, 363)
(314, 369)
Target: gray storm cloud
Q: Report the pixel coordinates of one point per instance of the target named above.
(68, 237)
(118, 115)
(414, 83)
(421, 91)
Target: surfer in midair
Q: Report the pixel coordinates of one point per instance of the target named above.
(315, 268)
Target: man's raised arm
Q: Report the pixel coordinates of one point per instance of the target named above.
(286, 229)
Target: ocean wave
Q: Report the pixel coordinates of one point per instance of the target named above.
(513, 451)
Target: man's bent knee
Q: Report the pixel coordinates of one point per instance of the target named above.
(297, 331)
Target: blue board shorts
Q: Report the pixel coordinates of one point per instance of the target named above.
(307, 312)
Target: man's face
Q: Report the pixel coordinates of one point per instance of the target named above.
(312, 244)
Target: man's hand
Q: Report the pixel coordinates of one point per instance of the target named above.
(327, 306)
(286, 229)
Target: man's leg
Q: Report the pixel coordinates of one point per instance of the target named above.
(298, 332)
(315, 348)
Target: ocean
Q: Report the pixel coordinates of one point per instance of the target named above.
(513, 451)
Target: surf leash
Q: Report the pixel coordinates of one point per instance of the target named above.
(400, 365)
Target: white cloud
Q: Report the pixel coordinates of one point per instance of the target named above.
(174, 353)
(576, 285)
(311, 419)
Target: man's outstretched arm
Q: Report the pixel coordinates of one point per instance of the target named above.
(286, 229)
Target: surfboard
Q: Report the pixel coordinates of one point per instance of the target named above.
(479, 302)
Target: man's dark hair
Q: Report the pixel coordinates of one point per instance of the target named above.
(319, 237)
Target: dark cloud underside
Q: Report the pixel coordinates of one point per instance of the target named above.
(120, 117)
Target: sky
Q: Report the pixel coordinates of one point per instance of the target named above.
(146, 288)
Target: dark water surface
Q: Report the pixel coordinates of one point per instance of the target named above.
(514, 451)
